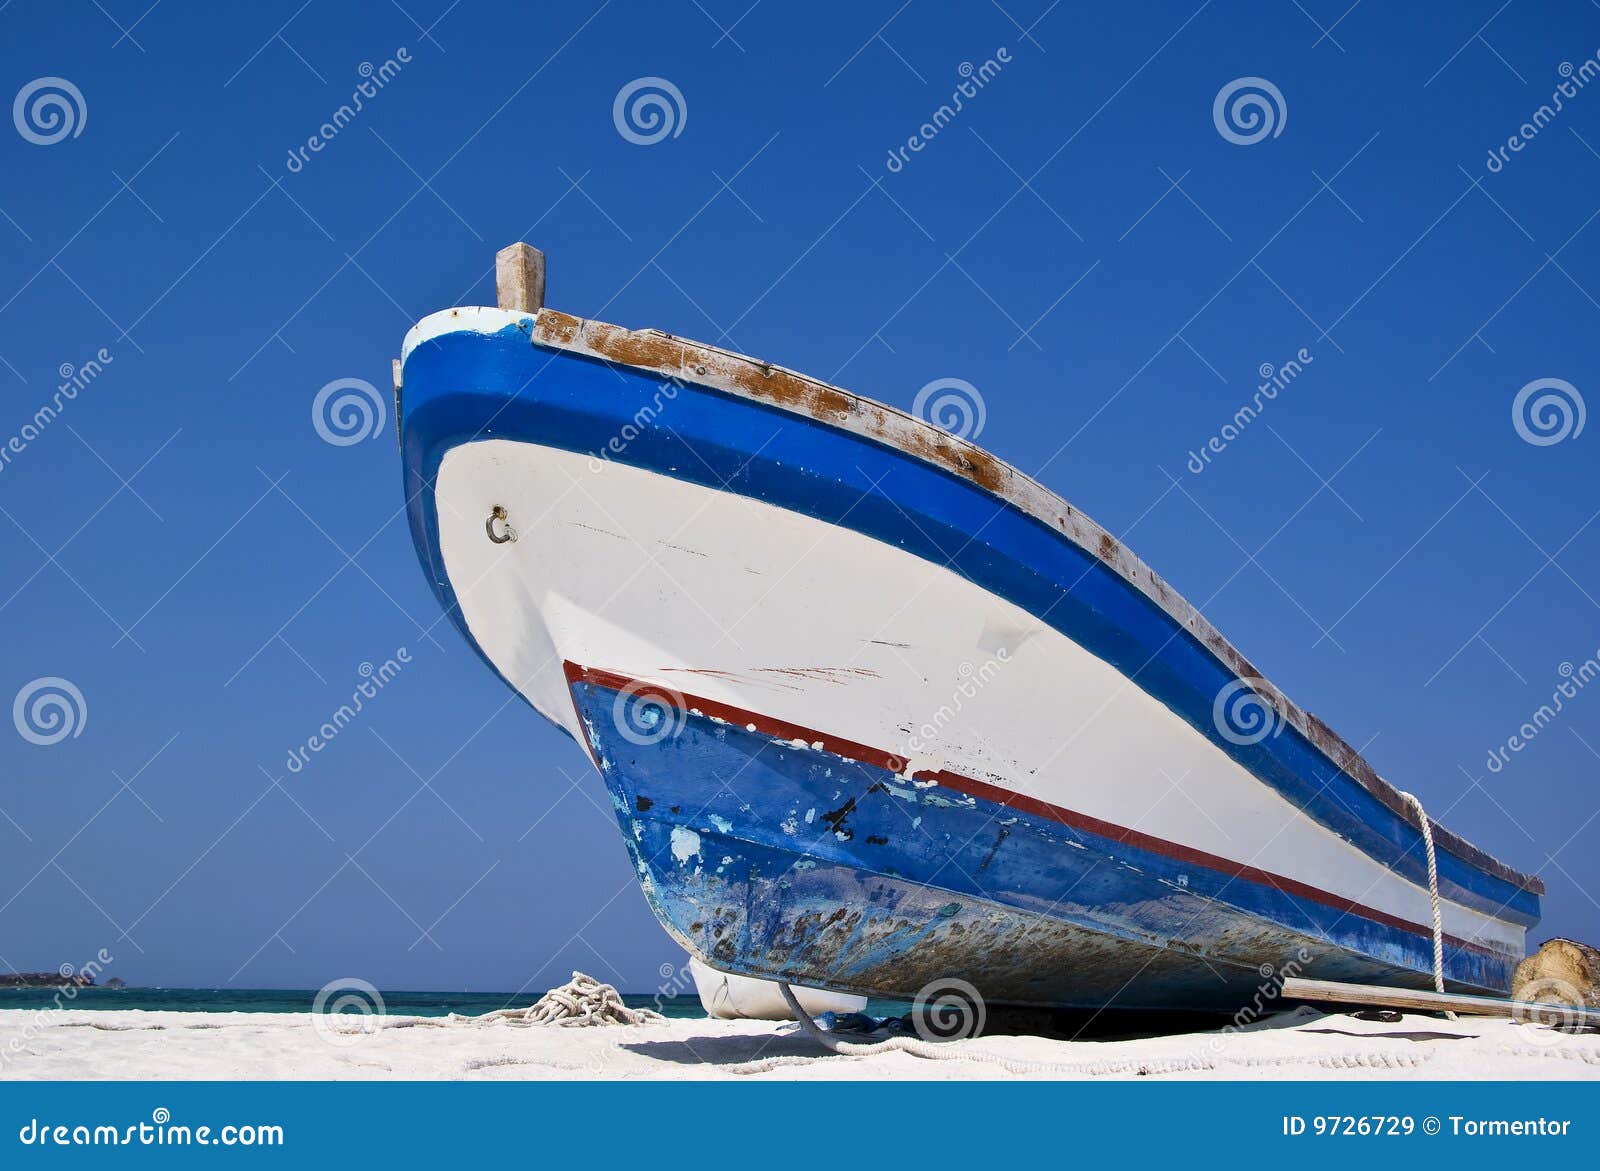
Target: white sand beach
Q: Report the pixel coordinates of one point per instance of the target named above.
(1300, 1045)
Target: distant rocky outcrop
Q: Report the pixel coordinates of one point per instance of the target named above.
(45, 980)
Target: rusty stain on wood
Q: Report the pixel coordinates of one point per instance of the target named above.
(732, 373)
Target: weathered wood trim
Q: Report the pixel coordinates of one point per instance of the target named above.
(664, 354)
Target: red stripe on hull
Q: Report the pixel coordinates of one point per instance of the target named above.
(783, 730)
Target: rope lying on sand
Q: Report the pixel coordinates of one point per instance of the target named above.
(583, 1000)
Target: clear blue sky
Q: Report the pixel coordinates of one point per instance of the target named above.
(1081, 244)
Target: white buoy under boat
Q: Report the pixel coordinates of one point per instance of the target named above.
(726, 996)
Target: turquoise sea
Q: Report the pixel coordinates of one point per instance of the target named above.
(300, 1000)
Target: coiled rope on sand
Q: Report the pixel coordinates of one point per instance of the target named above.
(581, 1001)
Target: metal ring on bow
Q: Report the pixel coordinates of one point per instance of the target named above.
(508, 533)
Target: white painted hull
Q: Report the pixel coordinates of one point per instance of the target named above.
(728, 598)
(727, 996)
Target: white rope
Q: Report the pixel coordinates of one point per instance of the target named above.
(583, 1000)
(1433, 895)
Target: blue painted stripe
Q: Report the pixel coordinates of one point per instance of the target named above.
(455, 382)
(757, 801)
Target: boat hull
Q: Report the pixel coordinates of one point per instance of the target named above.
(770, 854)
(1016, 768)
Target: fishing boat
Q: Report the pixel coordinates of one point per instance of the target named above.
(877, 710)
